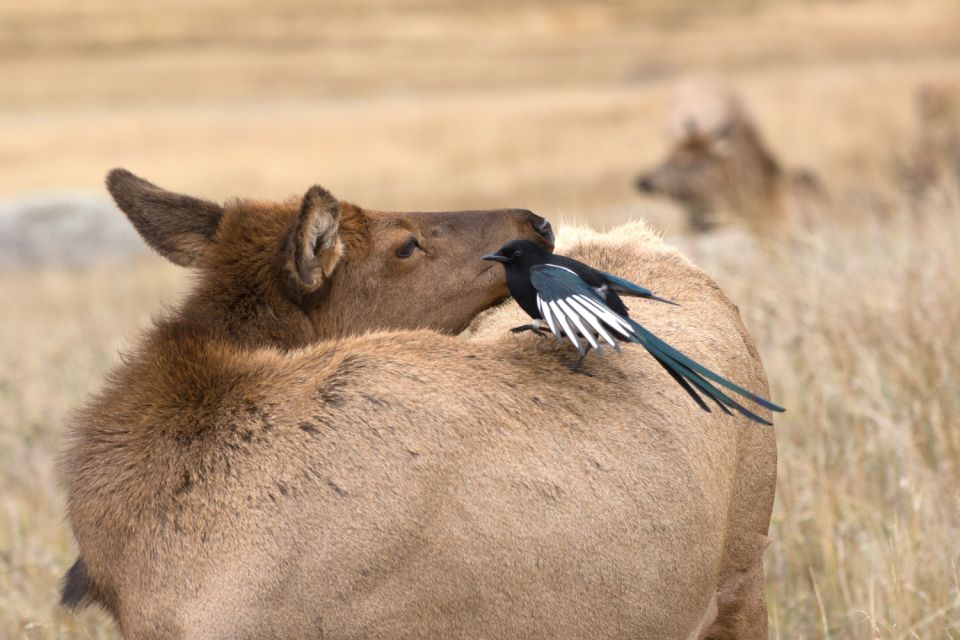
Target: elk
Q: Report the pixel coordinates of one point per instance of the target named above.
(720, 164)
(304, 449)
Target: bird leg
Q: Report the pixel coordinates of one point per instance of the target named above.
(533, 326)
(583, 355)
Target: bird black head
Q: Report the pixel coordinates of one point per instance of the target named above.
(519, 253)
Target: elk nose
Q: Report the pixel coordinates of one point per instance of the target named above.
(645, 184)
(542, 226)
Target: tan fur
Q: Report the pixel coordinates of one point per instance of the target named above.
(292, 484)
(720, 165)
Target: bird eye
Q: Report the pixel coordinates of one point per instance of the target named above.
(516, 254)
(406, 250)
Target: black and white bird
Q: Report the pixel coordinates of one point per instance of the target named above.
(582, 303)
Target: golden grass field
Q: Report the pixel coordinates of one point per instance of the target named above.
(555, 107)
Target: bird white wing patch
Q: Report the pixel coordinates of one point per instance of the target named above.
(572, 309)
(547, 315)
(575, 317)
(594, 322)
(562, 319)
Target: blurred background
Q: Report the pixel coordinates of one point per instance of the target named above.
(805, 152)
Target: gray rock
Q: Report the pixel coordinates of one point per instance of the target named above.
(64, 229)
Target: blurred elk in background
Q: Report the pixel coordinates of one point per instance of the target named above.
(719, 164)
(934, 159)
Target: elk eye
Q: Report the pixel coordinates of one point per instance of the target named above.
(407, 249)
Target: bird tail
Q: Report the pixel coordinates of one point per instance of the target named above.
(627, 288)
(659, 299)
(693, 377)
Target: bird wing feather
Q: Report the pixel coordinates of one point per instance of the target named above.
(623, 286)
(572, 302)
(565, 298)
(575, 317)
(627, 288)
(562, 319)
(594, 322)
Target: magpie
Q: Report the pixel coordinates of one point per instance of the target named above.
(582, 303)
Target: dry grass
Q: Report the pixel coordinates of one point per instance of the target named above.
(555, 107)
(61, 330)
(857, 326)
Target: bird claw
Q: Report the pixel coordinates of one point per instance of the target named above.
(529, 327)
(576, 367)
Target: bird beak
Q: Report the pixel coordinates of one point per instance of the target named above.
(494, 257)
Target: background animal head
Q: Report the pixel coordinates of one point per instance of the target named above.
(717, 160)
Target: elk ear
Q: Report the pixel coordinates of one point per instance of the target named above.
(313, 246)
(178, 227)
(721, 138)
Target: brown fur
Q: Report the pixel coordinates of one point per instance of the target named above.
(720, 164)
(245, 474)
